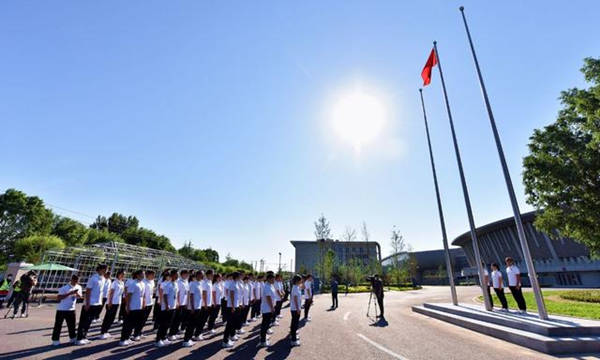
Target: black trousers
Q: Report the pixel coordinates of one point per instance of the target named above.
(334, 299)
(224, 312)
(490, 295)
(232, 322)
(69, 317)
(122, 312)
(204, 313)
(278, 307)
(164, 319)
(85, 320)
(21, 298)
(109, 318)
(156, 315)
(214, 312)
(517, 293)
(255, 309)
(501, 297)
(180, 313)
(99, 312)
(294, 325)
(264, 326)
(194, 319)
(131, 323)
(245, 312)
(307, 305)
(380, 302)
(140, 325)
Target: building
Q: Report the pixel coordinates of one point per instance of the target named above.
(431, 265)
(308, 253)
(558, 262)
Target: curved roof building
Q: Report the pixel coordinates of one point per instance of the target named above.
(558, 262)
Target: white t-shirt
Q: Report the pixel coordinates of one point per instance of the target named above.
(295, 294)
(95, 285)
(238, 294)
(268, 291)
(486, 273)
(106, 287)
(127, 283)
(68, 303)
(170, 291)
(308, 290)
(137, 290)
(496, 276)
(207, 289)
(512, 272)
(117, 287)
(219, 291)
(229, 290)
(276, 291)
(196, 291)
(184, 289)
(148, 291)
(246, 293)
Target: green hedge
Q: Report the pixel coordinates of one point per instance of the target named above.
(590, 296)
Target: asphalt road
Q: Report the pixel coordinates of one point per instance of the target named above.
(346, 333)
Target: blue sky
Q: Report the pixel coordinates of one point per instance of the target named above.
(210, 120)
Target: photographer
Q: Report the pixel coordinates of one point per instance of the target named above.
(377, 288)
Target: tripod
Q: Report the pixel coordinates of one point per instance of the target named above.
(374, 304)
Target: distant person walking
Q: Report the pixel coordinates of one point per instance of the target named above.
(65, 311)
(334, 293)
(514, 284)
(498, 284)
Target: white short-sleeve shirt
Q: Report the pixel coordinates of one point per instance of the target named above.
(219, 291)
(308, 290)
(68, 303)
(196, 291)
(184, 289)
(268, 291)
(512, 272)
(107, 283)
(496, 277)
(117, 287)
(276, 291)
(95, 285)
(149, 291)
(207, 289)
(296, 295)
(170, 291)
(137, 290)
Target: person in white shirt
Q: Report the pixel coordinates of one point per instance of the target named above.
(92, 303)
(281, 293)
(135, 301)
(122, 312)
(514, 283)
(308, 295)
(256, 294)
(296, 309)
(233, 310)
(67, 297)
(246, 293)
(115, 295)
(168, 305)
(267, 308)
(217, 295)
(105, 288)
(182, 317)
(498, 284)
(158, 296)
(277, 298)
(194, 306)
(148, 299)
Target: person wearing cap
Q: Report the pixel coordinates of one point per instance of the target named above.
(65, 311)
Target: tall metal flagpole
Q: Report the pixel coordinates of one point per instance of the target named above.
(509, 186)
(486, 295)
(439, 204)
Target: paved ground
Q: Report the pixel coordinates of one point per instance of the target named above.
(346, 333)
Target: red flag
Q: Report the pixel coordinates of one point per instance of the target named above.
(426, 73)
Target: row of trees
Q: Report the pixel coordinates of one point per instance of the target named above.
(28, 228)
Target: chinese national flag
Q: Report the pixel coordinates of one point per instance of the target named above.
(426, 73)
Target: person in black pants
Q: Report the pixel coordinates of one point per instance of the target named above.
(114, 298)
(92, 303)
(334, 293)
(168, 303)
(233, 306)
(216, 303)
(377, 285)
(308, 294)
(135, 308)
(65, 311)
(267, 309)
(514, 284)
(296, 309)
(498, 284)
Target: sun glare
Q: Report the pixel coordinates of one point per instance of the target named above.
(358, 117)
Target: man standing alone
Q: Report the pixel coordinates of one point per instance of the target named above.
(334, 293)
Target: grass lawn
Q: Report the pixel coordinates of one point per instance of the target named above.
(561, 302)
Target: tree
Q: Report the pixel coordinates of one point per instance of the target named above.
(322, 229)
(21, 216)
(94, 236)
(32, 248)
(328, 265)
(211, 255)
(72, 232)
(562, 171)
(398, 245)
(349, 234)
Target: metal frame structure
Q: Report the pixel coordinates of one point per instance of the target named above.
(118, 256)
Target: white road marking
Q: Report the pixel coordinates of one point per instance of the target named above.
(346, 315)
(380, 347)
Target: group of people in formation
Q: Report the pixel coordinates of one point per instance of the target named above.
(184, 305)
(514, 284)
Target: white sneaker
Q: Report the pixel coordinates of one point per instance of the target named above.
(104, 336)
(269, 331)
(246, 324)
(235, 338)
(124, 342)
(83, 342)
(137, 338)
(23, 315)
(166, 341)
(296, 343)
(160, 344)
(227, 345)
(173, 338)
(198, 338)
(213, 331)
(120, 322)
(56, 343)
(240, 331)
(262, 344)
(188, 343)
(279, 316)
(276, 323)
(309, 319)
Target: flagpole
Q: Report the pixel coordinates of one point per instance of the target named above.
(509, 186)
(439, 204)
(486, 295)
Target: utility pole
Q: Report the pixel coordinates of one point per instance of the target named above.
(279, 263)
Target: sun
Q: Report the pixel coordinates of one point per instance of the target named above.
(358, 117)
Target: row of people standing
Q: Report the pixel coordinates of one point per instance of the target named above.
(496, 281)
